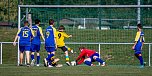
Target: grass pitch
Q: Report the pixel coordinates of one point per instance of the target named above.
(117, 70)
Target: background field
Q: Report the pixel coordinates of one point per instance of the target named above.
(112, 54)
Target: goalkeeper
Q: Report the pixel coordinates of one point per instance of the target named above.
(88, 56)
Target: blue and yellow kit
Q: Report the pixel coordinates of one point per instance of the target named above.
(139, 39)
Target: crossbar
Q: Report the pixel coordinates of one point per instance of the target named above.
(86, 6)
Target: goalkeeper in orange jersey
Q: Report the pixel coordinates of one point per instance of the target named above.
(60, 42)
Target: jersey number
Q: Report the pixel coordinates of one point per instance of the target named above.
(25, 33)
(59, 35)
(47, 34)
(35, 32)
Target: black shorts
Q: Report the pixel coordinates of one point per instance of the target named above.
(63, 48)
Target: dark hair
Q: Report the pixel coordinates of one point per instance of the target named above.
(51, 21)
(37, 21)
(81, 48)
(139, 25)
(25, 22)
(61, 27)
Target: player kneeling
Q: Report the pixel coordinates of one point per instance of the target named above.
(52, 63)
(88, 56)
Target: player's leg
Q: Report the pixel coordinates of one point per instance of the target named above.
(96, 58)
(21, 48)
(27, 51)
(21, 58)
(38, 55)
(140, 58)
(32, 54)
(65, 50)
(69, 49)
(51, 53)
(88, 62)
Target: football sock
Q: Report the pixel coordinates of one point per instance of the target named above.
(32, 56)
(49, 57)
(67, 58)
(88, 63)
(38, 59)
(99, 60)
(141, 60)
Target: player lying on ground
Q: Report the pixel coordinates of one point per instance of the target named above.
(139, 42)
(88, 56)
(24, 34)
(61, 35)
(53, 63)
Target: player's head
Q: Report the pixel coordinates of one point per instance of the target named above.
(61, 28)
(25, 23)
(139, 26)
(51, 22)
(80, 48)
(37, 21)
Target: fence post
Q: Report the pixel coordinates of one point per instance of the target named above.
(99, 51)
(1, 53)
(149, 54)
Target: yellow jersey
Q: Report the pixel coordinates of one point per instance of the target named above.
(60, 38)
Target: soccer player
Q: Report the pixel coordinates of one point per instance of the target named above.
(50, 42)
(61, 35)
(24, 35)
(139, 42)
(36, 42)
(88, 56)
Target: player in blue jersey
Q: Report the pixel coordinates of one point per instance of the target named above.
(50, 42)
(139, 42)
(36, 41)
(24, 34)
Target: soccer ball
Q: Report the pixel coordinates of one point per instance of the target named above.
(73, 63)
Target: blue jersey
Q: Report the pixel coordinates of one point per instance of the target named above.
(25, 35)
(139, 39)
(37, 31)
(50, 36)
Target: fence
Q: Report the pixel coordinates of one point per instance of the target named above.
(76, 43)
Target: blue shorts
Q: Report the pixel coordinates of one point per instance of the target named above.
(50, 49)
(24, 48)
(91, 57)
(35, 48)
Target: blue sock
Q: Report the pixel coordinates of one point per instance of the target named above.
(38, 59)
(88, 63)
(141, 60)
(32, 56)
(49, 57)
(99, 60)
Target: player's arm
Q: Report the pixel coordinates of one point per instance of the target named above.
(80, 61)
(66, 35)
(32, 33)
(80, 56)
(16, 37)
(143, 40)
(55, 36)
(136, 39)
(41, 33)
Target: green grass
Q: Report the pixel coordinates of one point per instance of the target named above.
(119, 70)
(114, 55)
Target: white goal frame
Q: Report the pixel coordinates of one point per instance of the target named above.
(84, 6)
